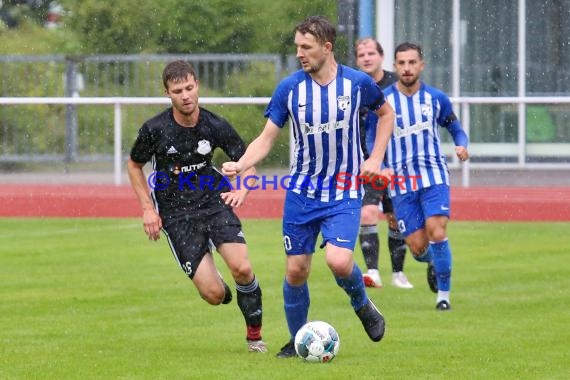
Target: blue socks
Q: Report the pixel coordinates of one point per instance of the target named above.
(296, 301)
(442, 264)
(296, 298)
(354, 287)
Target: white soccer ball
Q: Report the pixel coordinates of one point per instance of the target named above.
(317, 341)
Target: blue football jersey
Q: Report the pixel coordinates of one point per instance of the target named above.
(414, 151)
(325, 122)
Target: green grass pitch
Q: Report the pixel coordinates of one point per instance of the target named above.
(93, 299)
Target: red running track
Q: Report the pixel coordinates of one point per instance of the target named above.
(483, 203)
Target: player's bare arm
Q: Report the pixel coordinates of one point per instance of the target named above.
(384, 129)
(152, 222)
(255, 152)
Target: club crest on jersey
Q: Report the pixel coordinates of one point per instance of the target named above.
(204, 147)
(426, 110)
(343, 102)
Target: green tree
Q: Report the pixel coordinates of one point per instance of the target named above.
(207, 26)
(279, 18)
(134, 26)
(114, 27)
(197, 26)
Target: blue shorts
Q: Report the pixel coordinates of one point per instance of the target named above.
(304, 218)
(413, 208)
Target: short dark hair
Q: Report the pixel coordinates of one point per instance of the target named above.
(177, 71)
(320, 27)
(379, 47)
(409, 46)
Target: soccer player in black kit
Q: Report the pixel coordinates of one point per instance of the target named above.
(190, 201)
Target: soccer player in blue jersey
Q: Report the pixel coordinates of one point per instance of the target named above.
(420, 186)
(322, 101)
(369, 58)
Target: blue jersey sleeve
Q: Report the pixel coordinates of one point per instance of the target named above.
(372, 98)
(277, 110)
(370, 128)
(372, 95)
(460, 138)
(449, 121)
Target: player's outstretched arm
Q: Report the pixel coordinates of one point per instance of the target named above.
(255, 152)
(459, 136)
(384, 129)
(237, 197)
(152, 222)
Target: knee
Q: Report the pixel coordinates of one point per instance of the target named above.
(369, 215)
(438, 234)
(297, 275)
(243, 273)
(213, 296)
(341, 268)
(418, 246)
(436, 228)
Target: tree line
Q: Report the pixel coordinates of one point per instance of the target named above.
(173, 26)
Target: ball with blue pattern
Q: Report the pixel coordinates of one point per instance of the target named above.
(317, 342)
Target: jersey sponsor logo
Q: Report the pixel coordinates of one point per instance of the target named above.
(412, 129)
(320, 128)
(192, 168)
(343, 102)
(204, 147)
(171, 150)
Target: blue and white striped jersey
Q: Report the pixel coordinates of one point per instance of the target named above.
(325, 124)
(414, 151)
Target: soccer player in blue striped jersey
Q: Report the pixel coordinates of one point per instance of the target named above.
(322, 100)
(420, 186)
(369, 58)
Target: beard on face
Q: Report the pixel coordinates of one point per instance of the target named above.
(410, 82)
(314, 68)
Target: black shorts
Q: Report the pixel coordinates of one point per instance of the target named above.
(373, 196)
(192, 238)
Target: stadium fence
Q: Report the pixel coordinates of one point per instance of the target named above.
(518, 154)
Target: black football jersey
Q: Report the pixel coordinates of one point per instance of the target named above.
(183, 180)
